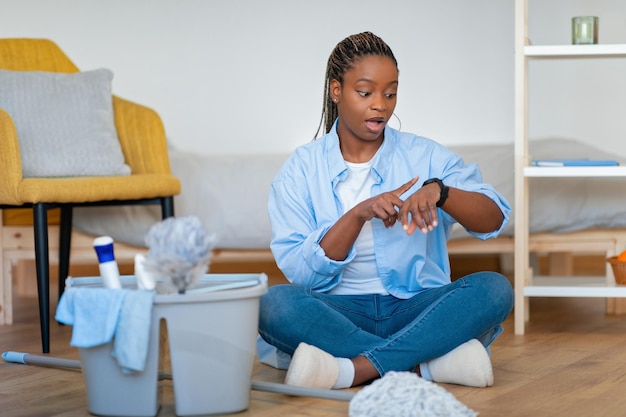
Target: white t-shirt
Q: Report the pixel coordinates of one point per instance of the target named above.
(361, 275)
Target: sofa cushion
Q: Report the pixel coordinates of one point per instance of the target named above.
(65, 122)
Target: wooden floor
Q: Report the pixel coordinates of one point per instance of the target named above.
(570, 362)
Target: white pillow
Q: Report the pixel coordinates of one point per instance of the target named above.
(64, 122)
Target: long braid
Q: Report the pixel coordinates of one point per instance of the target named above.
(342, 59)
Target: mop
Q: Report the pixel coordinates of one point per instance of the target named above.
(179, 253)
(397, 394)
(404, 394)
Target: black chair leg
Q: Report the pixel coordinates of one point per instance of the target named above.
(167, 207)
(42, 264)
(65, 244)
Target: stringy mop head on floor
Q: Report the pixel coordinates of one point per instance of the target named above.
(404, 394)
(179, 252)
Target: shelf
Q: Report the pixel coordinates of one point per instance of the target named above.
(564, 51)
(611, 171)
(527, 285)
(573, 287)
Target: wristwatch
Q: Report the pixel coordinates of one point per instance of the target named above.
(444, 190)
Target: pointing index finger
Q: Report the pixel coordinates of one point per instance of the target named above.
(405, 187)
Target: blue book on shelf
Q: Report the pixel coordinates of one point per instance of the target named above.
(584, 162)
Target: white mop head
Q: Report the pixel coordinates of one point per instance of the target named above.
(404, 394)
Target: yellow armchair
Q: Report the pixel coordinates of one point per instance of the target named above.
(143, 142)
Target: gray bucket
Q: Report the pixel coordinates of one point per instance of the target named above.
(212, 342)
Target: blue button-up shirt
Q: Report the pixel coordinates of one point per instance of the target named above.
(303, 205)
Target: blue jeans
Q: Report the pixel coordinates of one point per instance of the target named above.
(392, 333)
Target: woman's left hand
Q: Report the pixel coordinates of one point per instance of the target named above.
(422, 208)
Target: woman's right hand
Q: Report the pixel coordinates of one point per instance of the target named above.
(340, 238)
(384, 206)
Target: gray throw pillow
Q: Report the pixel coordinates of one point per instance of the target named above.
(64, 122)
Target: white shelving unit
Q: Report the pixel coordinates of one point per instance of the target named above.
(526, 284)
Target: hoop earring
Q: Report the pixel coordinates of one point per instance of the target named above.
(399, 121)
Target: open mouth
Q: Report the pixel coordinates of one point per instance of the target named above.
(375, 124)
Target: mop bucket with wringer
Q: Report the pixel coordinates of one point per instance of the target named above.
(212, 332)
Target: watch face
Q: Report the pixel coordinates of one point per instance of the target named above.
(430, 181)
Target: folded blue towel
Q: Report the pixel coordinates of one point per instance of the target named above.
(101, 315)
(132, 337)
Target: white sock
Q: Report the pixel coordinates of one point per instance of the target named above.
(425, 372)
(346, 373)
(312, 367)
(468, 364)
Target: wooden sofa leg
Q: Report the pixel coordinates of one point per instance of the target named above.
(5, 275)
(561, 264)
(6, 291)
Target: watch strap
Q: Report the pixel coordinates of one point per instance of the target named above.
(443, 195)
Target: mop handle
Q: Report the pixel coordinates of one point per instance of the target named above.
(302, 391)
(28, 359)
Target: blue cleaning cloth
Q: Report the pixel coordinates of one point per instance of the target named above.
(101, 315)
(94, 313)
(132, 338)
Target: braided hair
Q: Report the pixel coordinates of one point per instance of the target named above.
(347, 53)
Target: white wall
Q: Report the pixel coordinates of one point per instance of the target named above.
(246, 76)
(578, 98)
